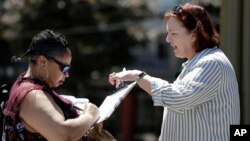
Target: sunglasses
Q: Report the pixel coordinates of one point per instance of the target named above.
(63, 67)
(177, 9)
(192, 22)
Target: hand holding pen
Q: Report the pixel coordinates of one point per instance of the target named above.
(119, 83)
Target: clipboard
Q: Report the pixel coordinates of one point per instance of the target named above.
(112, 101)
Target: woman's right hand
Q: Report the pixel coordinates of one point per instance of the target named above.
(91, 109)
(129, 75)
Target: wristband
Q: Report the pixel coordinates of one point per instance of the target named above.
(140, 76)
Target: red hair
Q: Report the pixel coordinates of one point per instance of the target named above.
(195, 19)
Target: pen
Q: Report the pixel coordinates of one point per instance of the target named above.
(120, 84)
(124, 69)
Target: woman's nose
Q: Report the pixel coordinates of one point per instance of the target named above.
(168, 39)
(66, 74)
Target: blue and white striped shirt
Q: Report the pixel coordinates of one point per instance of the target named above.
(202, 102)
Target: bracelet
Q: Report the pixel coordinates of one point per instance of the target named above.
(140, 76)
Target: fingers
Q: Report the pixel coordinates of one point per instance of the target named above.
(91, 106)
(92, 109)
(112, 78)
(119, 76)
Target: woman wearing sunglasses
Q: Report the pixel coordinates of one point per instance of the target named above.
(202, 103)
(34, 111)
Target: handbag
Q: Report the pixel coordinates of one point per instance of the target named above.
(98, 133)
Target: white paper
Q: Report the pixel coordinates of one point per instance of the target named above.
(112, 101)
(78, 102)
(108, 105)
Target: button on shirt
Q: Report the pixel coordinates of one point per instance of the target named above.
(202, 103)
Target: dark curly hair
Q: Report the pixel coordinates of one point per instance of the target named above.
(47, 42)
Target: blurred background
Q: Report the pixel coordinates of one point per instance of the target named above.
(107, 35)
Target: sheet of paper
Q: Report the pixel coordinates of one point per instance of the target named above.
(112, 101)
(77, 102)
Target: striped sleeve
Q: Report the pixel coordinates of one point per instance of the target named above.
(196, 87)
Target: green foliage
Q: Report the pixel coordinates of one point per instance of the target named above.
(98, 33)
